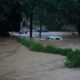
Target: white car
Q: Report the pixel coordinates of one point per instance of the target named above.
(54, 38)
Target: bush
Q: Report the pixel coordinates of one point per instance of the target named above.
(66, 51)
(73, 59)
(48, 49)
(61, 51)
(68, 64)
(57, 50)
(36, 46)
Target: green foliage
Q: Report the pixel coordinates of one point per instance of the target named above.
(61, 51)
(69, 28)
(34, 46)
(73, 59)
(52, 13)
(58, 50)
(48, 48)
(69, 64)
(66, 51)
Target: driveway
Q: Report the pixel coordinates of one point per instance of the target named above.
(19, 63)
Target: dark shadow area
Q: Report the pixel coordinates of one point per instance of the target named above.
(6, 27)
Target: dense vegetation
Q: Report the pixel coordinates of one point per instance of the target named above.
(52, 13)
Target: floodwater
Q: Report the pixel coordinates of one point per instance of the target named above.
(18, 63)
(68, 41)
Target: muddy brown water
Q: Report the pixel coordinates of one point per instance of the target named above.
(19, 63)
(67, 42)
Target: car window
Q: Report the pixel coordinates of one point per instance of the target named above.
(57, 38)
(48, 38)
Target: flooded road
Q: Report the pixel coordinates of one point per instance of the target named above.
(18, 63)
(67, 42)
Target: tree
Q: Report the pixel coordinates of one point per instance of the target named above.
(69, 10)
(39, 17)
(53, 13)
(10, 16)
(32, 7)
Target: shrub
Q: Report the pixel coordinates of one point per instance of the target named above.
(61, 51)
(57, 50)
(68, 64)
(73, 59)
(66, 51)
(36, 46)
(48, 49)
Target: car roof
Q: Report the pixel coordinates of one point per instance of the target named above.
(55, 36)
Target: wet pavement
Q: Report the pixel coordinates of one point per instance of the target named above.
(18, 63)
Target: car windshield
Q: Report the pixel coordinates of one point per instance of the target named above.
(57, 38)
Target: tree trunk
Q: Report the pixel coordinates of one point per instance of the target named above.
(31, 22)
